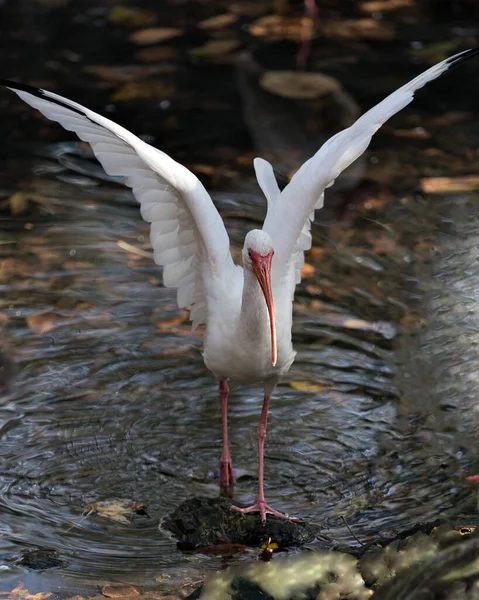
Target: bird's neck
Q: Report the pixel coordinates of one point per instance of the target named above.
(254, 318)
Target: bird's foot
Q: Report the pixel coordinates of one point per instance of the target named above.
(263, 509)
(227, 477)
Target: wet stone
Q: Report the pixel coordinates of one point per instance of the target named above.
(199, 522)
(40, 560)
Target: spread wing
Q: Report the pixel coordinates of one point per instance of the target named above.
(185, 225)
(289, 216)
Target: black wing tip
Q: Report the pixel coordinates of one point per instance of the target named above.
(22, 87)
(39, 93)
(452, 61)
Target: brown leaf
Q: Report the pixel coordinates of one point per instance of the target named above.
(360, 29)
(249, 9)
(218, 22)
(18, 203)
(298, 85)
(418, 133)
(156, 53)
(131, 17)
(277, 27)
(375, 6)
(214, 48)
(119, 509)
(447, 185)
(119, 590)
(21, 593)
(44, 322)
(153, 35)
(128, 73)
(172, 323)
(143, 90)
(307, 271)
(307, 386)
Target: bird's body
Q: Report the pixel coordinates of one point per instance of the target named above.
(247, 310)
(237, 342)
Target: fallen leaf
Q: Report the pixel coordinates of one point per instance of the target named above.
(448, 185)
(21, 593)
(128, 73)
(153, 35)
(44, 322)
(307, 386)
(156, 53)
(119, 590)
(277, 27)
(359, 29)
(119, 510)
(174, 322)
(13, 266)
(218, 22)
(298, 85)
(18, 203)
(131, 17)
(214, 48)
(129, 248)
(375, 6)
(143, 90)
(307, 271)
(418, 133)
(249, 9)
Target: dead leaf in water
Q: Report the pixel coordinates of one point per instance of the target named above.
(45, 322)
(21, 593)
(214, 48)
(153, 35)
(249, 9)
(375, 6)
(448, 185)
(143, 90)
(307, 386)
(18, 203)
(131, 17)
(360, 29)
(277, 27)
(127, 73)
(119, 510)
(119, 590)
(217, 22)
(298, 85)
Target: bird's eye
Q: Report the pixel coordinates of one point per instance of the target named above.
(249, 253)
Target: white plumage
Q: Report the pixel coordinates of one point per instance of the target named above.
(239, 306)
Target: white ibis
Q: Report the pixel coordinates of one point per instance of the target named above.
(247, 310)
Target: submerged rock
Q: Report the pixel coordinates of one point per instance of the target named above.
(199, 522)
(40, 560)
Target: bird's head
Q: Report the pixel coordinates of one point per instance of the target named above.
(257, 257)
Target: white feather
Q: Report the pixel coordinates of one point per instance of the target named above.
(305, 191)
(185, 226)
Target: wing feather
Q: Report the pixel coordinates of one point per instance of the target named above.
(185, 225)
(305, 192)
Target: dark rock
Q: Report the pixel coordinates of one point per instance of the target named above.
(40, 560)
(201, 522)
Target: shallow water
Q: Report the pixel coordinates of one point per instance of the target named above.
(112, 400)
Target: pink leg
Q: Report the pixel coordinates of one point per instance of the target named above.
(227, 478)
(260, 503)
